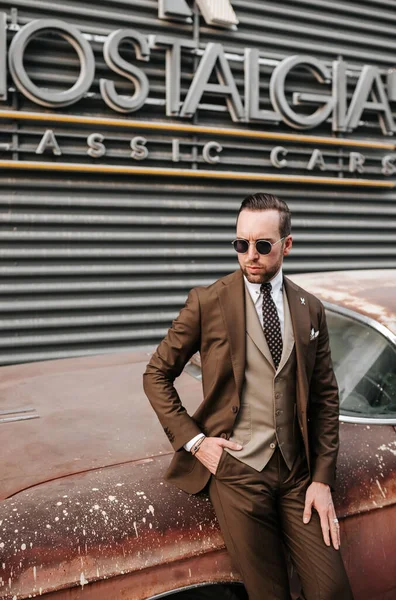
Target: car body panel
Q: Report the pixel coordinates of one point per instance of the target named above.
(106, 523)
(366, 469)
(78, 428)
(369, 292)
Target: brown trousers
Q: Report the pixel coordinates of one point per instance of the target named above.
(258, 512)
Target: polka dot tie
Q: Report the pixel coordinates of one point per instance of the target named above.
(271, 324)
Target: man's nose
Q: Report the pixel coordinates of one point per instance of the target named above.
(252, 251)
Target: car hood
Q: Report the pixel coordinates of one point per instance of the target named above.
(113, 522)
(82, 484)
(90, 412)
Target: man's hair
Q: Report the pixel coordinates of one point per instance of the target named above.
(261, 201)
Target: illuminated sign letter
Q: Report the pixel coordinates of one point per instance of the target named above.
(116, 63)
(175, 150)
(3, 56)
(388, 164)
(274, 157)
(96, 147)
(278, 95)
(173, 47)
(22, 80)
(49, 142)
(252, 87)
(227, 86)
(370, 83)
(207, 156)
(356, 161)
(316, 159)
(340, 95)
(139, 150)
(391, 84)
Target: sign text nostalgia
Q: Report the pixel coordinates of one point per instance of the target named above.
(371, 93)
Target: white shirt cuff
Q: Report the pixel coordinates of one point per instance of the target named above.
(191, 443)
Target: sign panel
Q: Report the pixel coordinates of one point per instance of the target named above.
(213, 75)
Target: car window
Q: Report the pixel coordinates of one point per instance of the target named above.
(365, 366)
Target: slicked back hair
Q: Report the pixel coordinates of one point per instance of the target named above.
(261, 201)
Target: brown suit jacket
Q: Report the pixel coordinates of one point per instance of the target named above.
(213, 322)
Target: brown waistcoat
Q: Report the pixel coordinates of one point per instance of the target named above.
(267, 414)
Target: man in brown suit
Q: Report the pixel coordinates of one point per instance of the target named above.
(265, 438)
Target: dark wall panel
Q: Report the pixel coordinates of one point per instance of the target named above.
(97, 262)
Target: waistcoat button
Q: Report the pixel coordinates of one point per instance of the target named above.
(223, 435)
(234, 409)
(272, 445)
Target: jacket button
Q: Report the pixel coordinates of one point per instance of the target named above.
(272, 445)
(234, 409)
(223, 435)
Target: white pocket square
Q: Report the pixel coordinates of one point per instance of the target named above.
(314, 334)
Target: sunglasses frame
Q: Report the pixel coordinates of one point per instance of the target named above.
(255, 243)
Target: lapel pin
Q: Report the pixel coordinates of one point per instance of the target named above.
(314, 334)
(302, 300)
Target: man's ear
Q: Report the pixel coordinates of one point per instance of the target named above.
(287, 245)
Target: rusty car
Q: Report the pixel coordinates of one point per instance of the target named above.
(85, 512)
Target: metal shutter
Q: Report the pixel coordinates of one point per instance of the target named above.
(96, 263)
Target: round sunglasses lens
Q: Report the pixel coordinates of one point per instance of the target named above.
(263, 247)
(241, 246)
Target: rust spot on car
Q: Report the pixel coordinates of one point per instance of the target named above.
(370, 293)
(366, 469)
(101, 524)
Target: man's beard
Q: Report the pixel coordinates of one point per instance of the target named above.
(264, 276)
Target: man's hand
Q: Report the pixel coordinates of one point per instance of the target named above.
(318, 495)
(211, 449)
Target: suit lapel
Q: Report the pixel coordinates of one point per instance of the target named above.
(301, 321)
(299, 312)
(232, 302)
(288, 337)
(255, 330)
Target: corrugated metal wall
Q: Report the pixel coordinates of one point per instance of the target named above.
(95, 263)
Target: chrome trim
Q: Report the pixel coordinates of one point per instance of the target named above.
(386, 333)
(367, 420)
(382, 329)
(20, 418)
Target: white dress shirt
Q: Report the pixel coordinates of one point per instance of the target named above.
(257, 297)
(277, 297)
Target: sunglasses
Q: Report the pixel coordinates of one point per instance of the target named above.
(262, 246)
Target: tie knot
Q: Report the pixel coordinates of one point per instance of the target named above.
(266, 288)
